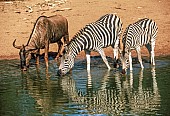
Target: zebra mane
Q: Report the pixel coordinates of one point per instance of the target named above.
(124, 38)
(139, 21)
(125, 34)
(81, 31)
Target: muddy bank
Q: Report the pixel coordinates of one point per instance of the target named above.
(18, 18)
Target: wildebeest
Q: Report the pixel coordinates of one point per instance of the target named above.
(46, 30)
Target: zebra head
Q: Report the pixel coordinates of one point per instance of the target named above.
(25, 56)
(124, 61)
(67, 62)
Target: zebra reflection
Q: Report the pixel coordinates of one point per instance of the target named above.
(113, 93)
(117, 94)
(145, 97)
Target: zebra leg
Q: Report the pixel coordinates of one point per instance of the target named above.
(152, 54)
(115, 52)
(139, 57)
(115, 57)
(148, 46)
(130, 61)
(88, 60)
(66, 39)
(101, 52)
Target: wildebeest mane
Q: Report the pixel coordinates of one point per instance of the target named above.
(34, 28)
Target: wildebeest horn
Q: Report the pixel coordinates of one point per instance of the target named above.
(18, 47)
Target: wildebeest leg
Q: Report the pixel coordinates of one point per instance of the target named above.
(66, 39)
(46, 53)
(38, 57)
(60, 43)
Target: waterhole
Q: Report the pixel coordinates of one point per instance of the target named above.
(38, 92)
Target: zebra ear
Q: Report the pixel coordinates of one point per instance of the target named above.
(121, 55)
(65, 45)
(120, 51)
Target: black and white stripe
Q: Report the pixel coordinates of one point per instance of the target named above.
(140, 33)
(93, 37)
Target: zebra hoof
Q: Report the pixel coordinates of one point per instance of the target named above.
(24, 68)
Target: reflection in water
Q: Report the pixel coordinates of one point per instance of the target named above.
(40, 92)
(124, 97)
(115, 95)
(145, 99)
(49, 96)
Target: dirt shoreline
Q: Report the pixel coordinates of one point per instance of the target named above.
(18, 18)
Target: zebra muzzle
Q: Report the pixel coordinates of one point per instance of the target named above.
(24, 68)
(59, 72)
(123, 71)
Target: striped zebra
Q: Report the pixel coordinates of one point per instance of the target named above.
(93, 37)
(136, 35)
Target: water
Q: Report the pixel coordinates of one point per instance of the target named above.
(38, 92)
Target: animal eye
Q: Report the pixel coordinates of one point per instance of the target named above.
(66, 58)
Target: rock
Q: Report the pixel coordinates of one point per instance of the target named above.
(30, 10)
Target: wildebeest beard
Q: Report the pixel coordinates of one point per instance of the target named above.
(22, 54)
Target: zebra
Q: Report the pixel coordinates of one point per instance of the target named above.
(94, 36)
(141, 33)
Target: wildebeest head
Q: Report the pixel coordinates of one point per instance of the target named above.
(67, 62)
(25, 56)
